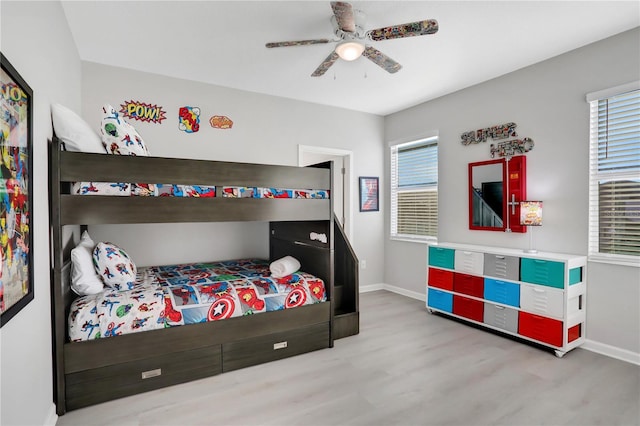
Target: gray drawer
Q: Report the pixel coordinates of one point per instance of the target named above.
(499, 266)
(102, 384)
(501, 317)
(257, 350)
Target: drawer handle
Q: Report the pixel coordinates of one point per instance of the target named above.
(467, 253)
(499, 257)
(540, 261)
(538, 290)
(151, 373)
(279, 345)
(499, 307)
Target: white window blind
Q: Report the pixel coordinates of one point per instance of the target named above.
(414, 190)
(614, 178)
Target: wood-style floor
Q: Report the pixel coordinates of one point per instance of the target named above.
(406, 367)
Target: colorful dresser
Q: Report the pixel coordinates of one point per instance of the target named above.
(538, 297)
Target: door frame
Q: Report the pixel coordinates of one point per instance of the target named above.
(348, 190)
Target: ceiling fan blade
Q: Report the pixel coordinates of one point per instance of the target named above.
(418, 28)
(297, 43)
(325, 65)
(382, 60)
(344, 16)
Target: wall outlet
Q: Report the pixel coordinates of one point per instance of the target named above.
(363, 264)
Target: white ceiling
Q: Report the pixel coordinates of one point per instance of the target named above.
(223, 43)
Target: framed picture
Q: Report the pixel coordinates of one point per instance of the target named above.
(16, 192)
(369, 194)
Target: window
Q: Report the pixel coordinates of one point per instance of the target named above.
(414, 190)
(614, 175)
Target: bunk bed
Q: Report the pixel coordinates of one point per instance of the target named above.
(94, 371)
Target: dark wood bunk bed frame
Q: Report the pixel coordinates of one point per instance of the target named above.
(90, 372)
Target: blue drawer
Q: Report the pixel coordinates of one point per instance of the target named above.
(441, 300)
(544, 272)
(441, 257)
(502, 292)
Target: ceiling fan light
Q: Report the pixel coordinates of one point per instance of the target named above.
(349, 50)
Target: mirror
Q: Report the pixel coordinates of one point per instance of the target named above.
(496, 188)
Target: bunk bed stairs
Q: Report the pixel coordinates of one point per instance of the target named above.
(346, 320)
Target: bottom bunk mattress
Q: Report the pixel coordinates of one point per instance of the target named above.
(173, 295)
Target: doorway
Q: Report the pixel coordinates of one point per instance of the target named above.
(342, 188)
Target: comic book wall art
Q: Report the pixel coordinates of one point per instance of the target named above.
(189, 119)
(16, 194)
(143, 112)
(221, 122)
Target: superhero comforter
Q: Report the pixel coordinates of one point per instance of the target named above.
(191, 293)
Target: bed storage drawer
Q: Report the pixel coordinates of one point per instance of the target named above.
(440, 278)
(97, 385)
(500, 266)
(271, 347)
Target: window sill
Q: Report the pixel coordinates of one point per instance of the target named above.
(430, 241)
(615, 260)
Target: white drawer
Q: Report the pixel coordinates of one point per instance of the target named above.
(470, 262)
(542, 300)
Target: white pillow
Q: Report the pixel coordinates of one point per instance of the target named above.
(114, 266)
(118, 136)
(84, 279)
(283, 267)
(76, 134)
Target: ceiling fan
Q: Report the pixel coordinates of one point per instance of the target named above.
(348, 27)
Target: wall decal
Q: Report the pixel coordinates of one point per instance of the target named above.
(221, 122)
(142, 111)
(512, 147)
(189, 119)
(503, 131)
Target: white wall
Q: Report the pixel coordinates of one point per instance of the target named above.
(36, 40)
(266, 130)
(547, 102)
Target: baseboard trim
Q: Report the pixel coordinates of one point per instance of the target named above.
(371, 287)
(394, 289)
(590, 345)
(612, 351)
(52, 417)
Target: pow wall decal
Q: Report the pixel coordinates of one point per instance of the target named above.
(142, 111)
(189, 119)
(221, 122)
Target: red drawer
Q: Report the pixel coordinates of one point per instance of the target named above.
(574, 333)
(468, 284)
(544, 329)
(440, 278)
(468, 308)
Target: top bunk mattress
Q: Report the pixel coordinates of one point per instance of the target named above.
(199, 190)
(174, 295)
